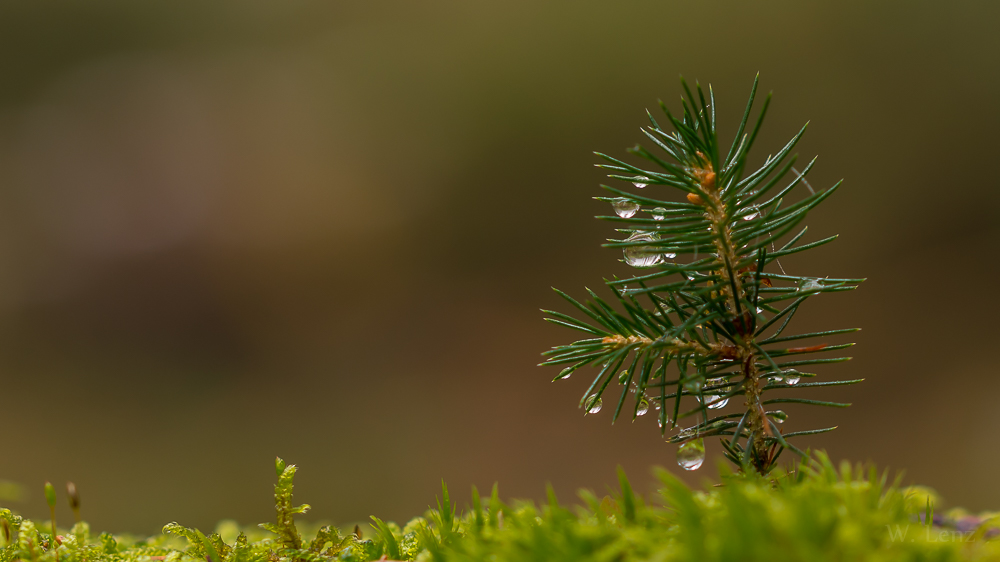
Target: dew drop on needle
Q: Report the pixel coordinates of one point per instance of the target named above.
(643, 407)
(811, 285)
(642, 256)
(715, 401)
(625, 208)
(691, 455)
(594, 404)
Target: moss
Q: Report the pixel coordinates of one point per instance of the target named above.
(816, 512)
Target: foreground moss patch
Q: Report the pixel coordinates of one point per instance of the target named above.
(815, 512)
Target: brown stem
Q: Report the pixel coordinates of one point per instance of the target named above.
(718, 217)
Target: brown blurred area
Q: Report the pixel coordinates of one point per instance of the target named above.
(323, 230)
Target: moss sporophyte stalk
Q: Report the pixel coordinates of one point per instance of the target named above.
(703, 328)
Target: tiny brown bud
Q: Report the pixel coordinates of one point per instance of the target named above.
(729, 352)
(695, 198)
(708, 181)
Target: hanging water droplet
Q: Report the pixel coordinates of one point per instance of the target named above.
(691, 455)
(594, 404)
(643, 407)
(642, 256)
(623, 377)
(791, 377)
(640, 181)
(659, 213)
(716, 401)
(625, 208)
(669, 255)
(751, 216)
(779, 416)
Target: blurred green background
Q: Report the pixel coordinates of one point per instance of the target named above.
(323, 230)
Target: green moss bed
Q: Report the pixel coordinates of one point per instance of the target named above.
(815, 511)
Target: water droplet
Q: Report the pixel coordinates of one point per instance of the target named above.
(669, 255)
(643, 407)
(791, 378)
(623, 377)
(694, 385)
(625, 208)
(642, 256)
(716, 401)
(594, 404)
(810, 285)
(640, 181)
(778, 416)
(691, 455)
(751, 216)
(659, 213)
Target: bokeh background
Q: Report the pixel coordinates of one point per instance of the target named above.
(323, 230)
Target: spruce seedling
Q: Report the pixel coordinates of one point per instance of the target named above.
(714, 301)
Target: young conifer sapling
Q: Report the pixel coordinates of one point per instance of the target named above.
(704, 325)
